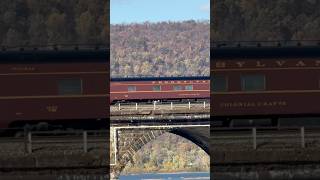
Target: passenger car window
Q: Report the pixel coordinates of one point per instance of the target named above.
(70, 87)
(219, 83)
(132, 88)
(253, 82)
(177, 87)
(156, 88)
(189, 87)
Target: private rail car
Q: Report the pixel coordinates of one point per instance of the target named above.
(41, 87)
(265, 83)
(159, 88)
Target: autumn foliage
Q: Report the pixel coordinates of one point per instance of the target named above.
(266, 20)
(160, 49)
(169, 153)
(43, 22)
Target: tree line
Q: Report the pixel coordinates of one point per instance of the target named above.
(265, 20)
(39, 22)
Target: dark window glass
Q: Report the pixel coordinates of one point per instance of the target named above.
(253, 82)
(156, 88)
(177, 87)
(132, 88)
(70, 87)
(219, 83)
(189, 87)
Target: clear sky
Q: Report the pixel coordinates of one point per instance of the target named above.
(137, 11)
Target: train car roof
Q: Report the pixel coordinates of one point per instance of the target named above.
(265, 52)
(181, 78)
(54, 56)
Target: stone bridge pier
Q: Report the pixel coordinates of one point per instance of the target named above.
(128, 140)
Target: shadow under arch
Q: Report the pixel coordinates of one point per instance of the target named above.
(200, 140)
(200, 137)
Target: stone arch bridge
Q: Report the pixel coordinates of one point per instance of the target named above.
(127, 140)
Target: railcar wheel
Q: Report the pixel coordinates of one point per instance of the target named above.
(227, 123)
(27, 127)
(42, 126)
(275, 122)
(231, 123)
(19, 134)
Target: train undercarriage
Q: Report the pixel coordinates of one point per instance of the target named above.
(266, 121)
(17, 128)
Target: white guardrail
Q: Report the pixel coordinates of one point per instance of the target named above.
(155, 105)
(254, 136)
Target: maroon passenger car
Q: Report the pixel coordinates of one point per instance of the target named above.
(53, 87)
(159, 88)
(265, 82)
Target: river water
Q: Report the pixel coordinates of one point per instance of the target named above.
(169, 176)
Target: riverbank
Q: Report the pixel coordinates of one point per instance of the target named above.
(178, 175)
(163, 171)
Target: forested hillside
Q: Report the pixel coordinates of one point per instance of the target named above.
(266, 20)
(160, 49)
(86, 21)
(42, 22)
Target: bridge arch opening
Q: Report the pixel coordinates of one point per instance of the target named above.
(173, 151)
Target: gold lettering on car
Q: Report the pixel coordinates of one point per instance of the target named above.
(240, 63)
(24, 68)
(253, 104)
(220, 64)
(263, 64)
(52, 108)
(280, 63)
(259, 64)
(301, 64)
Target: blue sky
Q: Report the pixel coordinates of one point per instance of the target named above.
(137, 11)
